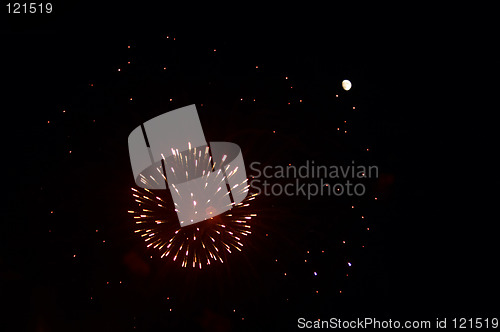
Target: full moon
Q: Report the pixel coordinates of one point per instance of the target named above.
(346, 84)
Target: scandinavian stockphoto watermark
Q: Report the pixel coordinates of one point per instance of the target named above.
(309, 179)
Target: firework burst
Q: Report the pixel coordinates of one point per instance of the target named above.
(202, 243)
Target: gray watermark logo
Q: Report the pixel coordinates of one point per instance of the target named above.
(311, 180)
(170, 152)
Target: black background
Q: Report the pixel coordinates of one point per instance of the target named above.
(433, 252)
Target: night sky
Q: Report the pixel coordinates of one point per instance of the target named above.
(76, 82)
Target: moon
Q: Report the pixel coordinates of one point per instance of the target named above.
(346, 84)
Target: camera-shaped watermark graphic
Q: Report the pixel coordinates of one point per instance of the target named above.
(170, 152)
(310, 180)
